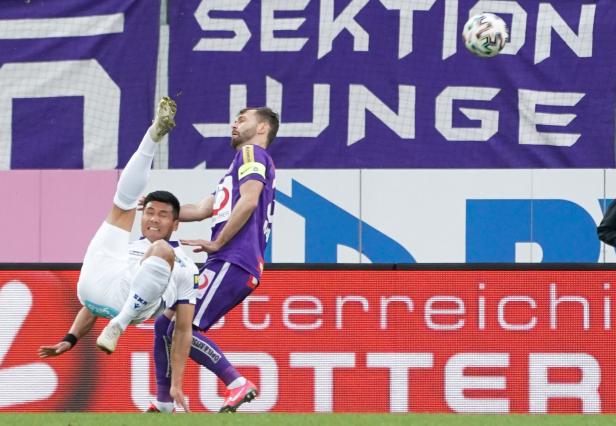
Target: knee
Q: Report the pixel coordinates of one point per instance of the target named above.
(163, 250)
(161, 325)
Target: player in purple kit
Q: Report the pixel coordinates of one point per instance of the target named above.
(241, 210)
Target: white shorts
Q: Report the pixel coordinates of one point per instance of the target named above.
(104, 281)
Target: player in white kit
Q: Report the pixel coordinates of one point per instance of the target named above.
(130, 282)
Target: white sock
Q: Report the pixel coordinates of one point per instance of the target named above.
(164, 407)
(240, 381)
(148, 285)
(134, 177)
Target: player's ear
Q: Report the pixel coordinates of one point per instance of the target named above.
(262, 128)
(176, 223)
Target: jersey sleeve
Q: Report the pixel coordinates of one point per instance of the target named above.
(187, 285)
(253, 163)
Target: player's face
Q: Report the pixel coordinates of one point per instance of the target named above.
(244, 128)
(157, 222)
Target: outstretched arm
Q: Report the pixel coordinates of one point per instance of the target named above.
(180, 347)
(199, 211)
(250, 192)
(84, 320)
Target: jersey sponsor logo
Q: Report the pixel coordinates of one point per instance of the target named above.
(250, 168)
(222, 198)
(222, 204)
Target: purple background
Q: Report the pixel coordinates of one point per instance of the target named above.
(202, 79)
(47, 132)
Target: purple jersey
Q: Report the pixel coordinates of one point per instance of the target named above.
(246, 248)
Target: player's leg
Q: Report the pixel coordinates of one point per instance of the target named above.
(162, 360)
(153, 275)
(205, 352)
(104, 265)
(134, 178)
(229, 287)
(146, 289)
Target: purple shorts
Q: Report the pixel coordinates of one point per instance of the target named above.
(222, 286)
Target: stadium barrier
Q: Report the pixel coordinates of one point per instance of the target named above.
(342, 338)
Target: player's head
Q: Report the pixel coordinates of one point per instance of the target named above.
(161, 211)
(255, 125)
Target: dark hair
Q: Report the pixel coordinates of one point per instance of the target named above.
(164, 197)
(267, 114)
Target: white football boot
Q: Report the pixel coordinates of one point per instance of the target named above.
(108, 339)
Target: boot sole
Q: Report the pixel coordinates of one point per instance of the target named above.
(250, 395)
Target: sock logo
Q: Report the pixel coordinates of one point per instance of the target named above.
(139, 301)
(203, 347)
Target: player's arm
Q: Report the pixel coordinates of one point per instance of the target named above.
(83, 323)
(199, 211)
(607, 228)
(180, 347)
(250, 191)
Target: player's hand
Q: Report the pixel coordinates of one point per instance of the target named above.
(55, 350)
(203, 245)
(140, 203)
(178, 396)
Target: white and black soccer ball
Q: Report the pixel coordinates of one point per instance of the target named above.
(485, 35)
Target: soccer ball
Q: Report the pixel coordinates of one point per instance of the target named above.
(485, 35)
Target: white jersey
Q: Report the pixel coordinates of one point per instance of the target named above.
(185, 274)
(110, 265)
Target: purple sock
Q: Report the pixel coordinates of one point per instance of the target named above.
(207, 353)
(162, 348)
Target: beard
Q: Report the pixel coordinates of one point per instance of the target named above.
(240, 138)
(235, 141)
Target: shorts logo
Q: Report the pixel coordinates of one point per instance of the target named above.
(101, 310)
(206, 277)
(252, 282)
(202, 282)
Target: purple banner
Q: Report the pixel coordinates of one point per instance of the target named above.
(77, 79)
(389, 83)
